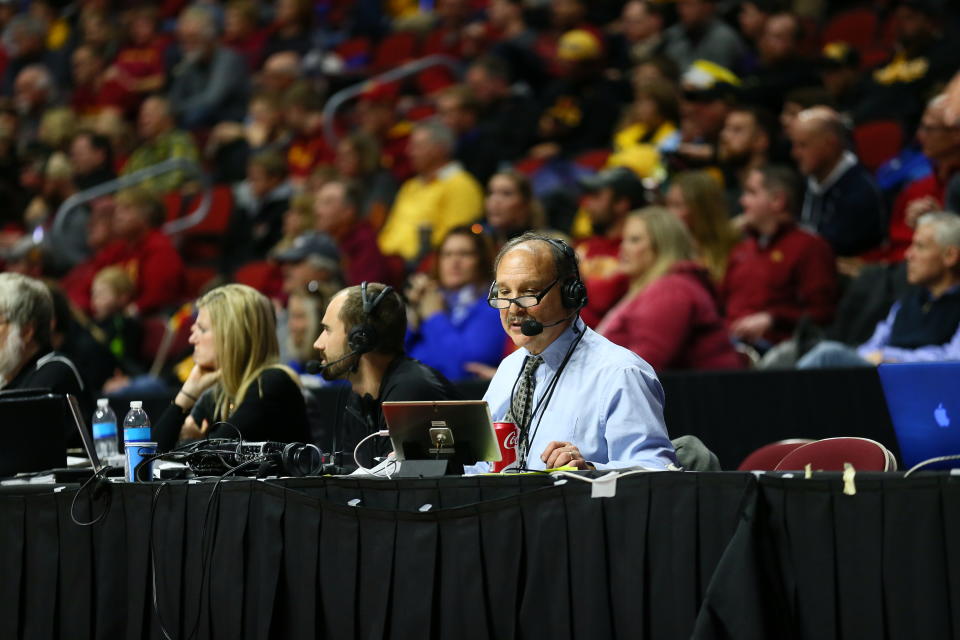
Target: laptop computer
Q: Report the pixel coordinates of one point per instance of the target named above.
(459, 430)
(924, 404)
(33, 431)
(34, 440)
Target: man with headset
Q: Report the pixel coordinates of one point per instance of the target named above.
(578, 399)
(361, 341)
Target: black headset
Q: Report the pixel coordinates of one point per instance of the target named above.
(364, 337)
(573, 293)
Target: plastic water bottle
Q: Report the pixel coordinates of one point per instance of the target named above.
(136, 424)
(136, 442)
(105, 431)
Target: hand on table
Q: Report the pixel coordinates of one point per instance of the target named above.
(563, 454)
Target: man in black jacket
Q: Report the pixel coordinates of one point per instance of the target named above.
(27, 359)
(361, 341)
(843, 202)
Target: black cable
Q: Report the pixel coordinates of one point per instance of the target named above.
(97, 477)
(206, 548)
(548, 394)
(153, 563)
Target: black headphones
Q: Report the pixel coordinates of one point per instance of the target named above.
(364, 338)
(573, 293)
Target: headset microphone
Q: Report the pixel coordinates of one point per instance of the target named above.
(531, 327)
(314, 367)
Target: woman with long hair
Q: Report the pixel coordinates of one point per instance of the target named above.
(450, 325)
(670, 316)
(237, 387)
(697, 199)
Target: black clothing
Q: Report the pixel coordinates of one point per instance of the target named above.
(768, 85)
(56, 372)
(84, 181)
(272, 409)
(923, 320)
(511, 125)
(867, 301)
(584, 113)
(405, 379)
(252, 232)
(849, 214)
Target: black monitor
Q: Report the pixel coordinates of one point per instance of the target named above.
(32, 427)
(458, 431)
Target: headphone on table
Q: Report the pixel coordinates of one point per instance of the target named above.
(364, 337)
(573, 293)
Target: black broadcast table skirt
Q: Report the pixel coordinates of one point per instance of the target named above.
(671, 555)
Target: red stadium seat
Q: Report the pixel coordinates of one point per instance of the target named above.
(265, 277)
(355, 54)
(155, 327)
(857, 27)
(831, 454)
(877, 141)
(197, 279)
(768, 456)
(394, 50)
(593, 159)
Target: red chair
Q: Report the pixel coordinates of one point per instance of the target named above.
(768, 456)
(394, 50)
(877, 141)
(594, 159)
(197, 279)
(857, 27)
(266, 277)
(830, 454)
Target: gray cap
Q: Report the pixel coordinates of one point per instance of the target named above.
(310, 245)
(623, 181)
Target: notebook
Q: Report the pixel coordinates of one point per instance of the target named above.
(924, 404)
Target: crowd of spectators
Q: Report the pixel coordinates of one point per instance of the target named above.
(737, 177)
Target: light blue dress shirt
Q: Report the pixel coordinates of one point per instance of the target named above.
(608, 402)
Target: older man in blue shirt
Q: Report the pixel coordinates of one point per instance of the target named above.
(578, 399)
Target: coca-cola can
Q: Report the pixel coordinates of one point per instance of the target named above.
(507, 435)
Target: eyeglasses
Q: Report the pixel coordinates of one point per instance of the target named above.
(524, 302)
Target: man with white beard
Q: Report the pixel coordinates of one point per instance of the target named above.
(27, 359)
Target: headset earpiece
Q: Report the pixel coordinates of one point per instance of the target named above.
(573, 292)
(364, 338)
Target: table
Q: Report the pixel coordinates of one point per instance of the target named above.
(671, 555)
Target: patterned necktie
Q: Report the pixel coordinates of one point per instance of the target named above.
(521, 406)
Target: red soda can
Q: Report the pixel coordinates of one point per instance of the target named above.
(507, 435)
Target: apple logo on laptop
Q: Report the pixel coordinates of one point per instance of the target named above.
(940, 415)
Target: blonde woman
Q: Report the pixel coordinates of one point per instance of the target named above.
(237, 387)
(670, 316)
(698, 200)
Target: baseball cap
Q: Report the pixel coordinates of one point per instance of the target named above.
(704, 80)
(577, 45)
(311, 244)
(621, 180)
